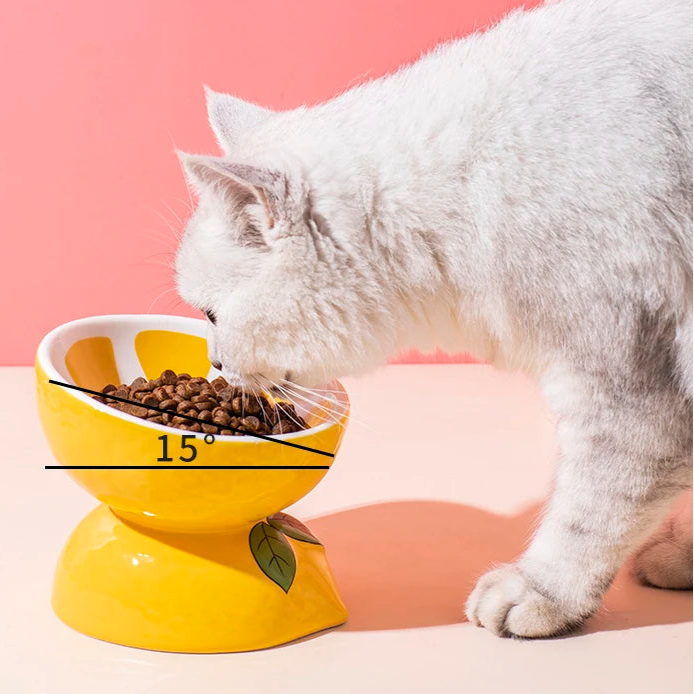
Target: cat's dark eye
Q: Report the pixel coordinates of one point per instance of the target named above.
(211, 317)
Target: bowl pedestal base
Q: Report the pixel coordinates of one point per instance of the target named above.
(193, 592)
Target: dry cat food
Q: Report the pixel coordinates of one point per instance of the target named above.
(219, 407)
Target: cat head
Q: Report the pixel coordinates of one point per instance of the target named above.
(285, 296)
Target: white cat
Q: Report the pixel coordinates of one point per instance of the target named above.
(525, 195)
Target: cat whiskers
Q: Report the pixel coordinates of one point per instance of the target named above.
(159, 296)
(260, 403)
(170, 209)
(320, 395)
(318, 400)
(277, 388)
(288, 397)
(185, 178)
(177, 233)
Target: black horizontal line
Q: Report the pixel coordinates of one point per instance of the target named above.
(194, 419)
(187, 467)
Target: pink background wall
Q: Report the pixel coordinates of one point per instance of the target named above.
(96, 94)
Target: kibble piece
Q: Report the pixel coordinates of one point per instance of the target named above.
(220, 417)
(285, 410)
(201, 405)
(193, 388)
(209, 428)
(252, 405)
(184, 406)
(138, 383)
(219, 383)
(150, 399)
(284, 427)
(250, 423)
(168, 404)
(184, 377)
(183, 390)
(228, 393)
(136, 410)
(157, 419)
(107, 389)
(169, 378)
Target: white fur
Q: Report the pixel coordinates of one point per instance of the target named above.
(522, 194)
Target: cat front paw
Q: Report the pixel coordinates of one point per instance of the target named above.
(504, 602)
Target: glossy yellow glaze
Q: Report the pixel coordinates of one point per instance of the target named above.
(168, 565)
(90, 361)
(186, 592)
(190, 500)
(158, 350)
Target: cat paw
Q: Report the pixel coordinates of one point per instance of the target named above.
(504, 602)
(665, 561)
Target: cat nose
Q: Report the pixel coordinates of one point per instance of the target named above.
(217, 365)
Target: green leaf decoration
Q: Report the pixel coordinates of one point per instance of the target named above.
(273, 554)
(292, 527)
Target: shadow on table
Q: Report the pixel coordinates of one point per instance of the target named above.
(412, 564)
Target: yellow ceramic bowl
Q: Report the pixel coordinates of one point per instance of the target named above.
(194, 560)
(117, 349)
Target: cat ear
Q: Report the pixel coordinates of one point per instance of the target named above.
(230, 118)
(240, 184)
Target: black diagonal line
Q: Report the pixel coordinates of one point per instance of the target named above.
(194, 419)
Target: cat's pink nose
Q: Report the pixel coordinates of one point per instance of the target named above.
(217, 365)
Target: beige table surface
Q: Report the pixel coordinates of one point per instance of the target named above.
(422, 497)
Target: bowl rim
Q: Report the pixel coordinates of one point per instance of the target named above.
(44, 361)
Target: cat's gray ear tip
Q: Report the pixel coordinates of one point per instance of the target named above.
(187, 160)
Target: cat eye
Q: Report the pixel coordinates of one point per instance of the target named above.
(211, 317)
